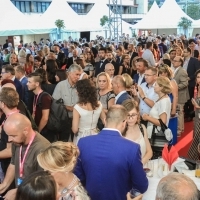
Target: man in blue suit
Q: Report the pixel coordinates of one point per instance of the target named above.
(8, 72)
(109, 166)
(119, 88)
(20, 75)
(141, 66)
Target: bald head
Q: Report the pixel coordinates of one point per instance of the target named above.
(116, 117)
(18, 121)
(109, 69)
(120, 81)
(185, 188)
(18, 128)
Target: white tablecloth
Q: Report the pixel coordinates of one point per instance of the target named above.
(150, 194)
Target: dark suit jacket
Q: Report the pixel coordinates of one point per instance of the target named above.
(123, 97)
(18, 86)
(193, 66)
(116, 66)
(100, 68)
(136, 78)
(60, 59)
(70, 61)
(111, 170)
(25, 91)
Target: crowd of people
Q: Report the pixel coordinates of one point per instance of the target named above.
(117, 98)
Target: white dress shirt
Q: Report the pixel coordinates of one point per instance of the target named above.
(148, 56)
(150, 94)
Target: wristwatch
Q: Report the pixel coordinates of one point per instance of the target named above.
(143, 98)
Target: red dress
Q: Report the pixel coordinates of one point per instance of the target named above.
(28, 69)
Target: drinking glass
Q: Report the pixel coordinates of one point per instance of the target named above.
(150, 166)
(197, 171)
(134, 193)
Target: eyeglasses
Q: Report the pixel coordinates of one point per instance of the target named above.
(149, 74)
(132, 116)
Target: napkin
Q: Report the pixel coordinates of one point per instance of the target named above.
(169, 155)
(180, 165)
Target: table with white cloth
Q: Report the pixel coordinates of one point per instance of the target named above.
(150, 194)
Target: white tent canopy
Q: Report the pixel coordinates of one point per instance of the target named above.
(91, 22)
(170, 14)
(59, 9)
(13, 22)
(149, 20)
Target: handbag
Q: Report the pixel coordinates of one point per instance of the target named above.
(160, 136)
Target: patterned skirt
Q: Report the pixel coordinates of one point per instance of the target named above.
(193, 151)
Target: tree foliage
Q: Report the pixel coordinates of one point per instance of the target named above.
(193, 10)
(185, 23)
(104, 20)
(60, 23)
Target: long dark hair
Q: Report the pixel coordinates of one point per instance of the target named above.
(87, 93)
(61, 73)
(38, 186)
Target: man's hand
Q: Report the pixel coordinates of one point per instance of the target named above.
(136, 198)
(141, 93)
(145, 117)
(10, 195)
(70, 108)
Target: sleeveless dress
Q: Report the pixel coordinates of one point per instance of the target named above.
(78, 193)
(88, 122)
(140, 140)
(193, 151)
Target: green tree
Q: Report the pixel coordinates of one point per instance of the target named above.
(59, 24)
(185, 24)
(193, 10)
(104, 21)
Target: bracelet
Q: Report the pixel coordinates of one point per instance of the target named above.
(143, 98)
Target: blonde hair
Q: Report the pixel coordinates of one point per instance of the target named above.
(166, 56)
(181, 51)
(40, 53)
(59, 157)
(165, 69)
(165, 84)
(128, 80)
(107, 77)
(22, 53)
(46, 50)
(51, 56)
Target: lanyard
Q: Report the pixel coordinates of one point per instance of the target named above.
(17, 111)
(21, 161)
(35, 102)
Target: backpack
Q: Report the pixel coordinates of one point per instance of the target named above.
(58, 115)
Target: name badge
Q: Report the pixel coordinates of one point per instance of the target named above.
(19, 181)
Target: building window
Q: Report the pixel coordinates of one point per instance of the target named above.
(23, 6)
(34, 6)
(78, 8)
